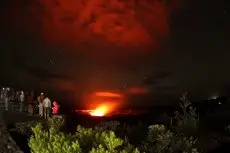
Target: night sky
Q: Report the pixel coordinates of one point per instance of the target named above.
(161, 47)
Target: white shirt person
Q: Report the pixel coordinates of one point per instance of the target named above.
(47, 107)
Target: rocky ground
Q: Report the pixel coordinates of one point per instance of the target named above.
(7, 144)
(10, 128)
(13, 116)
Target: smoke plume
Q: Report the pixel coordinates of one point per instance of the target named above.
(79, 24)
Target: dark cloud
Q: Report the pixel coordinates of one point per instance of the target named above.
(161, 75)
(42, 74)
(168, 88)
(148, 81)
(155, 79)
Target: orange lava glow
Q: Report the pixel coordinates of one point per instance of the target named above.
(103, 103)
(105, 109)
(100, 111)
(107, 104)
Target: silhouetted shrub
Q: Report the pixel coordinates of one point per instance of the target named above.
(103, 140)
(187, 120)
(85, 140)
(161, 140)
(111, 125)
(52, 141)
(55, 122)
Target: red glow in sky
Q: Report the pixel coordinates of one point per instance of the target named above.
(123, 23)
(108, 94)
(136, 90)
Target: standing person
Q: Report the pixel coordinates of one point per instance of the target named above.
(40, 104)
(13, 97)
(22, 100)
(47, 107)
(2, 95)
(26, 101)
(30, 103)
(17, 96)
(6, 101)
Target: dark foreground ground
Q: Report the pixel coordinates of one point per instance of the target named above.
(11, 117)
(212, 136)
(8, 119)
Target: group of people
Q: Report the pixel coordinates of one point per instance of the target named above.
(28, 103)
(45, 106)
(19, 97)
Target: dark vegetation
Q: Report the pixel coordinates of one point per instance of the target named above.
(180, 132)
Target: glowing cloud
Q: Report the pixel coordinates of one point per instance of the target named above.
(129, 23)
(108, 94)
